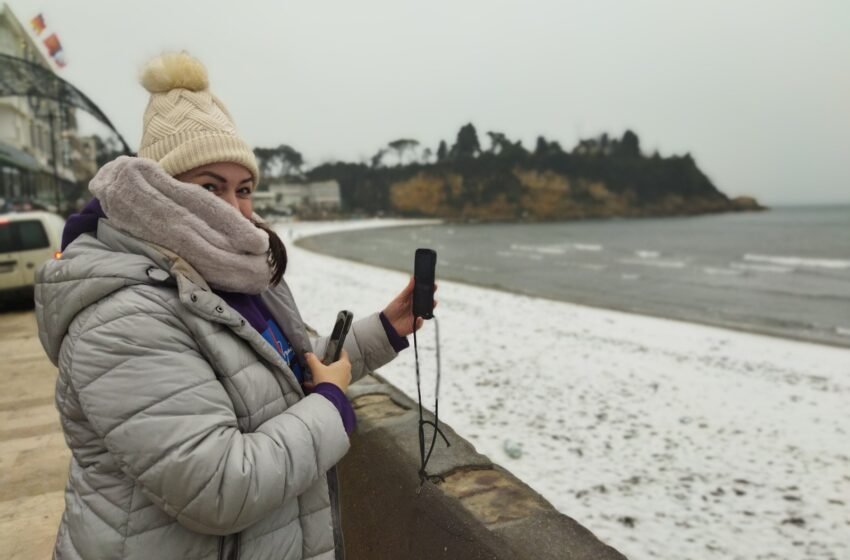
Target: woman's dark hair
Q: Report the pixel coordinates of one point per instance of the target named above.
(276, 253)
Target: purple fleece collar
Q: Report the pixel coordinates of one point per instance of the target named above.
(83, 222)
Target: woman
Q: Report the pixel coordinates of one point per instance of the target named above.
(200, 423)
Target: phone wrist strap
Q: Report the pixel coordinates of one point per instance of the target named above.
(423, 456)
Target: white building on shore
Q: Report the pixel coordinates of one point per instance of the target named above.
(286, 197)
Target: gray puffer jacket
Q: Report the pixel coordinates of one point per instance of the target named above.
(190, 436)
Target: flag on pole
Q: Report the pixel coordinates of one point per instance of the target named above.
(51, 42)
(53, 45)
(59, 59)
(38, 24)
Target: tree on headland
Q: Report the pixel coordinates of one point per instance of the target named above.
(264, 160)
(629, 145)
(466, 146)
(543, 147)
(442, 151)
(604, 144)
(291, 159)
(599, 146)
(501, 146)
(402, 146)
(497, 141)
(281, 161)
(378, 158)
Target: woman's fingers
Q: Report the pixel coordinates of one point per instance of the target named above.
(337, 373)
(409, 288)
(344, 356)
(312, 360)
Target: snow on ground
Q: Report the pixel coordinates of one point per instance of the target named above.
(666, 439)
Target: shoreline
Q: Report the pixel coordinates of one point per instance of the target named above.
(746, 329)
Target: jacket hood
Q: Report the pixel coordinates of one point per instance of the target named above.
(92, 268)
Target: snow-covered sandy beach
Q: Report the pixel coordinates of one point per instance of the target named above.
(666, 439)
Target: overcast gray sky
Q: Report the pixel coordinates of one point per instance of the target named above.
(757, 91)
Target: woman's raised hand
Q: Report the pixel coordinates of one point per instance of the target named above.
(399, 312)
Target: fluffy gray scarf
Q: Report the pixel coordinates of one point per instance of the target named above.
(140, 198)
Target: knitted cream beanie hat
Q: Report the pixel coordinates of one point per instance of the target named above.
(186, 126)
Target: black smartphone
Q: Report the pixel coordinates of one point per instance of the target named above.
(424, 274)
(334, 348)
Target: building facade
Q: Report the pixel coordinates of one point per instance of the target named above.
(40, 148)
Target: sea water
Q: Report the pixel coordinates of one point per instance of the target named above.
(784, 272)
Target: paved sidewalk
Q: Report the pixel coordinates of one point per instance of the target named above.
(33, 456)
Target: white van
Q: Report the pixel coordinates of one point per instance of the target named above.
(27, 239)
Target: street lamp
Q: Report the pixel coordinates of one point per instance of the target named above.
(35, 103)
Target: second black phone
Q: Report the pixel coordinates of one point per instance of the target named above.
(424, 276)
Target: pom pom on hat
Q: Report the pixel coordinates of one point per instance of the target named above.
(185, 126)
(174, 70)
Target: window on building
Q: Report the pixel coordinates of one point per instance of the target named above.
(11, 183)
(45, 144)
(66, 152)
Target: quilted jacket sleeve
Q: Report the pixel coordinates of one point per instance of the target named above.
(161, 412)
(367, 346)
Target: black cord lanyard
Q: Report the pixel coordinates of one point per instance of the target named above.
(423, 456)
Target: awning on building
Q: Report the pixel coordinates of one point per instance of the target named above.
(11, 156)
